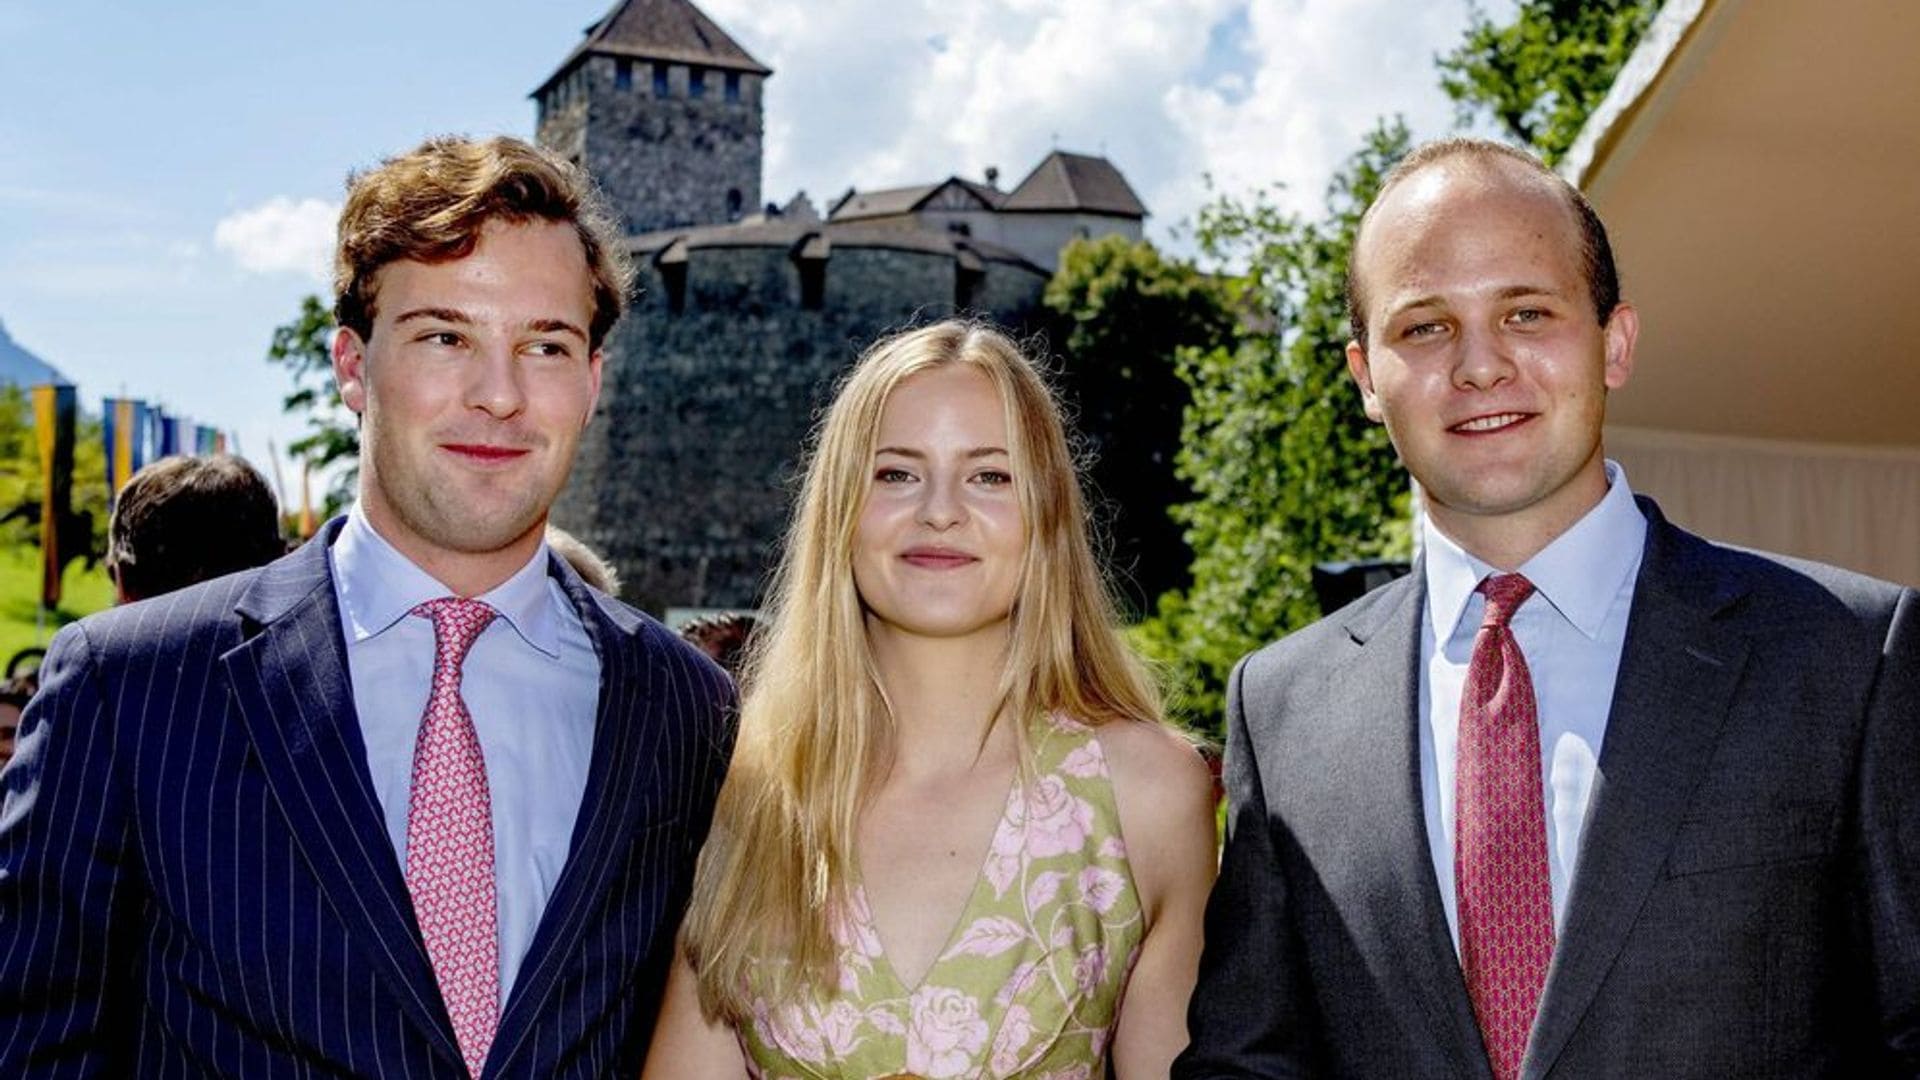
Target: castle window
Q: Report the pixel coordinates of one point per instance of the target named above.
(734, 199)
(969, 278)
(810, 257)
(696, 82)
(733, 86)
(660, 87)
(672, 264)
(623, 74)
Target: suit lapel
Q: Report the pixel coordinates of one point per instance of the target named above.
(627, 729)
(1409, 932)
(1678, 671)
(291, 683)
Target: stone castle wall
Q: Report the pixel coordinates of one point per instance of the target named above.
(685, 477)
(663, 161)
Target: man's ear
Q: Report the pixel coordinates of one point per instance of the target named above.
(1622, 330)
(350, 368)
(1363, 378)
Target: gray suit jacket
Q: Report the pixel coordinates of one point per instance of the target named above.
(1747, 897)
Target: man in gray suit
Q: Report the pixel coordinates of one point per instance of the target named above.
(1585, 795)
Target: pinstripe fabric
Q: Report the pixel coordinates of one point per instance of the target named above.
(195, 878)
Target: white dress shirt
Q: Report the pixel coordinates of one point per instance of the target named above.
(1571, 631)
(531, 684)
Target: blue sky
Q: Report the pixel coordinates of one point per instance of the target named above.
(168, 172)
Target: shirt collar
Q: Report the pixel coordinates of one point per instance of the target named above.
(379, 586)
(1579, 573)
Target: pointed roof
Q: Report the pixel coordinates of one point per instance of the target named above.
(889, 202)
(672, 30)
(19, 367)
(1064, 181)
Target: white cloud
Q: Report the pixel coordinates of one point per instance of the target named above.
(1251, 92)
(281, 236)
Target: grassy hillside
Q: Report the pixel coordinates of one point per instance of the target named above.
(82, 592)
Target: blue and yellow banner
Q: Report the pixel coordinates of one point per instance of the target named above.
(53, 421)
(128, 430)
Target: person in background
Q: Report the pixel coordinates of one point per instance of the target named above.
(183, 520)
(723, 637)
(956, 840)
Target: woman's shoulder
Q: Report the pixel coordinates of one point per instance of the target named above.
(1163, 791)
(1154, 765)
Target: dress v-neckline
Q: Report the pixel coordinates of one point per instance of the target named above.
(883, 958)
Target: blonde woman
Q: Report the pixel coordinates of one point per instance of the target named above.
(955, 840)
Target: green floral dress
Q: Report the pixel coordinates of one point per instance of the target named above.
(1029, 982)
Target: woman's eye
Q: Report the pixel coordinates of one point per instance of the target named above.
(993, 477)
(893, 476)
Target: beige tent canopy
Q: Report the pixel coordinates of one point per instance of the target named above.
(1758, 165)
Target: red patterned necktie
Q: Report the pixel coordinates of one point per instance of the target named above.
(1500, 835)
(450, 838)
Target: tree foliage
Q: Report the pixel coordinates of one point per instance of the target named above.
(1540, 75)
(1286, 467)
(303, 346)
(1122, 311)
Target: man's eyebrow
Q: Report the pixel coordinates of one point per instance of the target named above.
(1512, 291)
(437, 314)
(556, 326)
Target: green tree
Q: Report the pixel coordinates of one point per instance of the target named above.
(303, 346)
(1121, 312)
(1540, 75)
(1286, 468)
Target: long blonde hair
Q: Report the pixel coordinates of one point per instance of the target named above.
(814, 726)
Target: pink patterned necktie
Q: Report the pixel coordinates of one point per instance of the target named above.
(1500, 835)
(450, 838)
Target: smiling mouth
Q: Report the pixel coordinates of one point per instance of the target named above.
(1481, 425)
(483, 454)
(938, 560)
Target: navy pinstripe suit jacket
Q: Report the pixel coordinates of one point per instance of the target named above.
(195, 878)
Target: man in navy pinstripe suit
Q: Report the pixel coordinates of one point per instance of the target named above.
(205, 838)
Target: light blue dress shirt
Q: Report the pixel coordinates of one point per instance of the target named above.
(532, 685)
(1571, 631)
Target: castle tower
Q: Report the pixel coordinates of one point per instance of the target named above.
(663, 108)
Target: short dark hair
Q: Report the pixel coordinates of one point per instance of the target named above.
(182, 520)
(430, 204)
(1596, 253)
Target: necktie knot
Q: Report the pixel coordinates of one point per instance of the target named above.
(457, 623)
(1505, 593)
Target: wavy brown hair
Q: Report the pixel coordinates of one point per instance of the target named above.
(815, 728)
(430, 204)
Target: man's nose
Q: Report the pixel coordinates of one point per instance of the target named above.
(1484, 360)
(495, 385)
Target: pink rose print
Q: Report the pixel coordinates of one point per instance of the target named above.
(1113, 848)
(1044, 888)
(1086, 762)
(1056, 822)
(1090, 968)
(1016, 1029)
(839, 1028)
(793, 1035)
(1080, 1071)
(1003, 857)
(944, 1034)
(1065, 723)
(1017, 983)
(852, 929)
(1100, 887)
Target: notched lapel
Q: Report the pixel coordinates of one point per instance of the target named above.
(627, 728)
(1678, 672)
(1379, 682)
(292, 685)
